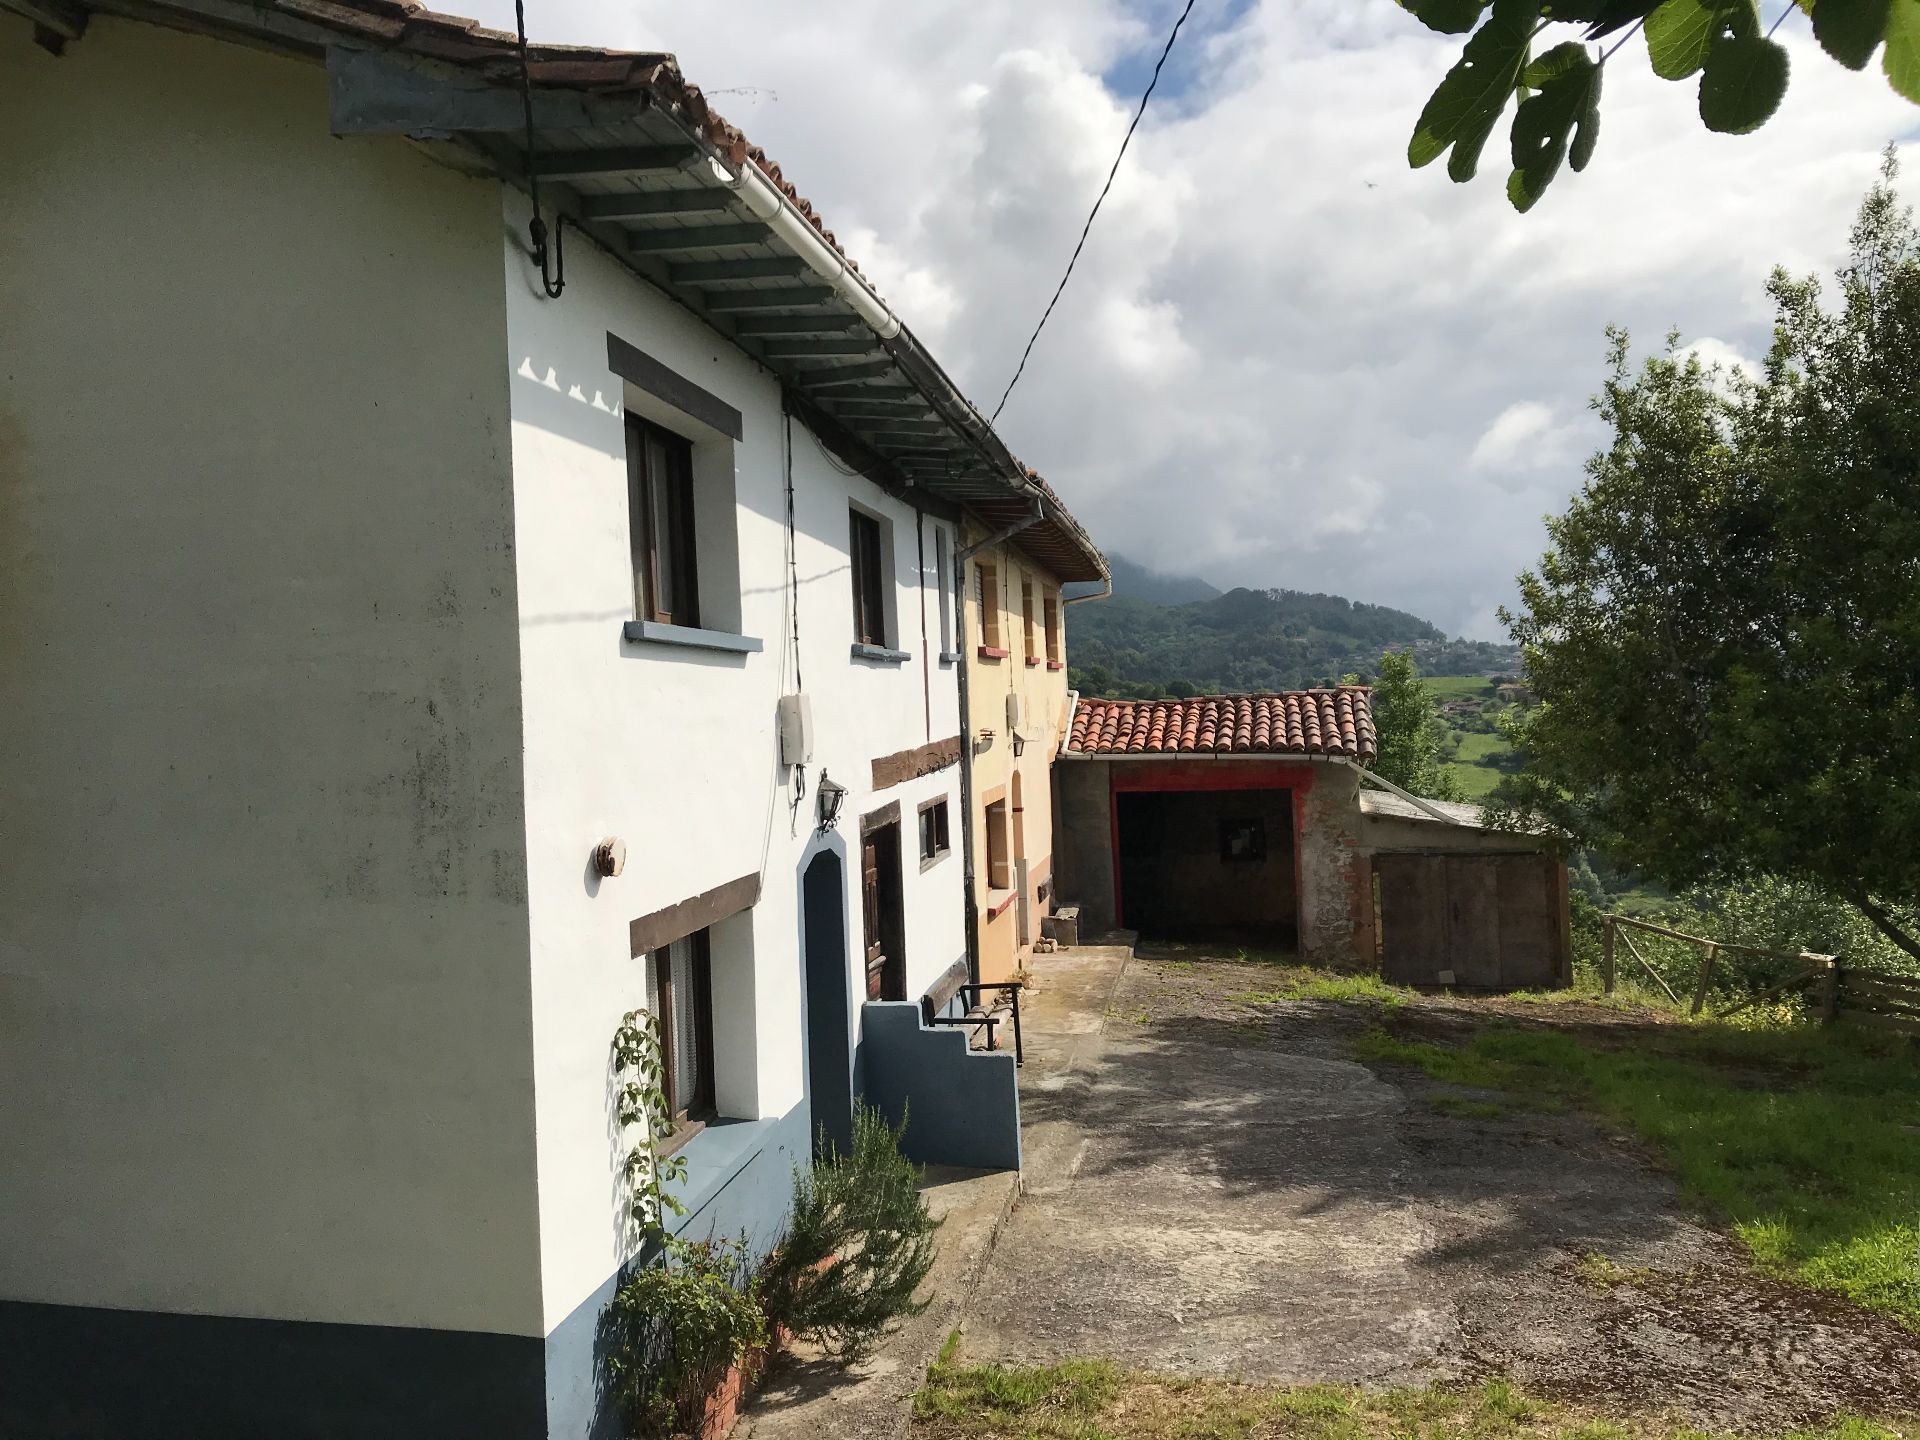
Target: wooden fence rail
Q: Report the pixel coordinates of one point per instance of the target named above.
(1844, 992)
(1809, 968)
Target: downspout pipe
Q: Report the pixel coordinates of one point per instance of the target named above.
(1407, 795)
(961, 559)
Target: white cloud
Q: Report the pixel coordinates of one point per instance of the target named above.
(1270, 298)
(1714, 352)
(1524, 436)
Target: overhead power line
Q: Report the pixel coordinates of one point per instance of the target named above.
(1021, 369)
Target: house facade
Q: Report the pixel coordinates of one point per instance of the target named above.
(416, 657)
(1016, 659)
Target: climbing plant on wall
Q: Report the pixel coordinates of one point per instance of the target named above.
(640, 1071)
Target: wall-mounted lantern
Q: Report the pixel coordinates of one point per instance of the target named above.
(831, 795)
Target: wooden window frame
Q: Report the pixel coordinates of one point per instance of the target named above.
(943, 570)
(1030, 637)
(986, 594)
(1050, 612)
(866, 545)
(700, 1108)
(999, 831)
(660, 515)
(935, 812)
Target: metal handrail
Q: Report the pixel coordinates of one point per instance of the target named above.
(1016, 986)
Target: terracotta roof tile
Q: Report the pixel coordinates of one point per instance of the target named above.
(1299, 722)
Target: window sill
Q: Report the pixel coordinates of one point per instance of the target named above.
(1032, 660)
(995, 911)
(1056, 664)
(655, 633)
(992, 652)
(928, 862)
(949, 657)
(880, 654)
(720, 1151)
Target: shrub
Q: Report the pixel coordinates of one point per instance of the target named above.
(674, 1328)
(858, 1245)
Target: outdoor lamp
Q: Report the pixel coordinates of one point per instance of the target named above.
(831, 796)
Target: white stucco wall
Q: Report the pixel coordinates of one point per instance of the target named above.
(674, 750)
(264, 1038)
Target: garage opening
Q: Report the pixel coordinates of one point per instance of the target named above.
(1214, 864)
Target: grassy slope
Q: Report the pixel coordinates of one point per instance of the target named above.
(1476, 778)
(1095, 1400)
(1803, 1138)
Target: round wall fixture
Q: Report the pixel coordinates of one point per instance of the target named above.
(610, 856)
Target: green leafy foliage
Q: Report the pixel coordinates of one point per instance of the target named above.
(1744, 81)
(1743, 73)
(640, 1071)
(1725, 631)
(859, 1242)
(1564, 107)
(672, 1331)
(1406, 719)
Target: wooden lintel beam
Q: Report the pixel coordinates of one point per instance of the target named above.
(624, 160)
(880, 409)
(701, 272)
(861, 390)
(794, 324)
(795, 298)
(639, 204)
(695, 237)
(839, 374)
(807, 349)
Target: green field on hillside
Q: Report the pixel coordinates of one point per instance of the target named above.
(1475, 764)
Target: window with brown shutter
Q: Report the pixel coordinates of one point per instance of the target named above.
(869, 599)
(679, 983)
(986, 591)
(660, 524)
(1051, 608)
(1030, 636)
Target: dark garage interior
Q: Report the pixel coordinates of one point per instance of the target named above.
(1208, 864)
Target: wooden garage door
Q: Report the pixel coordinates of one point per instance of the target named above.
(1488, 922)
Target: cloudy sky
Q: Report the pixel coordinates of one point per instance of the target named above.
(1285, 359)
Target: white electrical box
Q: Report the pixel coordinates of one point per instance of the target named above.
(796, 730)
(1013, 712)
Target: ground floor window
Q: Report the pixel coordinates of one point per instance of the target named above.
(999, 847)
(934, 841)
(680, 997)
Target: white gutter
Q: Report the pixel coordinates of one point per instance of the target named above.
(772, 208)
(1407, 795)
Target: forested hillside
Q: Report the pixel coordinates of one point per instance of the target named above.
(1245, 640)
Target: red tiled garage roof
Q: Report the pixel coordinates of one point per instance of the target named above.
(1300, 722)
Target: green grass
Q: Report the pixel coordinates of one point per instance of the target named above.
(1806, 1140)
(1350, 989)
(1096, 1400)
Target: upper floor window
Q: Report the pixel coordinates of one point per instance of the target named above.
(869, 593)
(660, 520)
(986, 590)
(1052, 609)
(1030, 636)
(943, 574)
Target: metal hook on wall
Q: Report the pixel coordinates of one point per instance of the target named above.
(555, 280)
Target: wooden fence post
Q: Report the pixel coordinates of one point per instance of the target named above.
(1707, 957)
(1606, 953)
(1830, 993)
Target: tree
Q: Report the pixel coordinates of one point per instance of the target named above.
(1724, 634)
(1411, 735)
(1743, 73)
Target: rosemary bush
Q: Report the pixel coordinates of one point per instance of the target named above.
(858, 1244)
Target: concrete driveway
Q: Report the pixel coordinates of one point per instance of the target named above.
(1215, 1186)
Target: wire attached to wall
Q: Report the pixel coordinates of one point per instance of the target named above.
(555, 280)
(1127, 140)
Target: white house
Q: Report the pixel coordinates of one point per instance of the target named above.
(354, 589)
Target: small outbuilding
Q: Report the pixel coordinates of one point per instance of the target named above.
(1243, 817)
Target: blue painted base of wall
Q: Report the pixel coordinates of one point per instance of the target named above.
(72, 1371)
(739, 1181)
(962, 1107)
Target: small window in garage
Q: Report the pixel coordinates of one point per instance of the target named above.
(1243, 841)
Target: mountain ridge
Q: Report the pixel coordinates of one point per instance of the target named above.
(1137, 645)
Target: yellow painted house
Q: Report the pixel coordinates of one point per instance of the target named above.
(1013, 651)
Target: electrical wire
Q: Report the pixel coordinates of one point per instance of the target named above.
(1126, 140)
